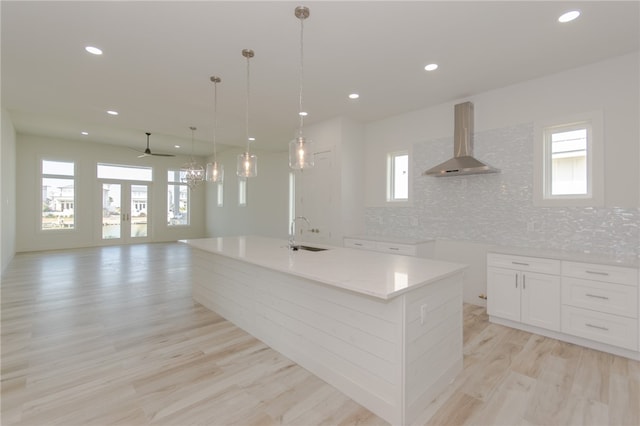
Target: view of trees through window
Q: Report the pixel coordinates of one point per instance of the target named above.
(58, 195)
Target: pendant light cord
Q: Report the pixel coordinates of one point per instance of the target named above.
(192, 130)
(248, 100)
(300, 110)
(215, 118)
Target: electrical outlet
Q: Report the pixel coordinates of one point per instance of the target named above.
(423, 313)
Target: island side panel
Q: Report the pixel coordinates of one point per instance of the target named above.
(352, 341)
(433, 342)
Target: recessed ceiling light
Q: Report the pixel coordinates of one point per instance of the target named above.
(302, 114)
(252, 139)
(93, 50)
(110, 112)
(84, 133)
(431, 67)
(569, 16)
(354, 96)
(176, 146)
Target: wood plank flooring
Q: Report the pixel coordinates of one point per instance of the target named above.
(110, 335)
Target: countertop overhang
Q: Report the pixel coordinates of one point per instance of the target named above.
(380, 275)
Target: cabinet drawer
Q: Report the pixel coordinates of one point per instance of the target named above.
(359, 244)
(405, 249)
(601, 327)
(608, 273)
(604, 297)
(524, 263)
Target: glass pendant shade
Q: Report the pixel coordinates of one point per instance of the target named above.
(301, 149)
(247, 165)
(301, 153)
(193, 174)
(215, 172)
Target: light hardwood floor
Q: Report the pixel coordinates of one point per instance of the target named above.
(111, 336)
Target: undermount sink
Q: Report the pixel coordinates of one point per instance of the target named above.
(307, 248)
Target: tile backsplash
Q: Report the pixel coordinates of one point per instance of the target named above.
(498, 208)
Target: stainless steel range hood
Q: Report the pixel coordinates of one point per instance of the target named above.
(463, 162)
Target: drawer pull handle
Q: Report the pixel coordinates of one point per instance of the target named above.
(597, 326)
(520, 263)
(357, 244)
(516, 280)
(597, 273)
(596, 296)
(524, 282)
(394, 248)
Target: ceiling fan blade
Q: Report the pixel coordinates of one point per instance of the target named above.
(147, 152)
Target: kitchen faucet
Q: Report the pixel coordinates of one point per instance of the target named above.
(292, 235)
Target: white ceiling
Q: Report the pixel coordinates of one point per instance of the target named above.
(158, 57)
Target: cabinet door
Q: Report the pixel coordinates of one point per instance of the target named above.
(541, 300)
(503, 293)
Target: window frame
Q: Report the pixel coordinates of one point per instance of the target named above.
(219, 191)
(242, 191)
(390, 178)
(73, 178)
(542, 176)
(178, 183)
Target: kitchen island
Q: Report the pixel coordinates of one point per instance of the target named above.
(384, 329)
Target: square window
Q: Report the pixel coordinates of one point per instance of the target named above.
(568, 162)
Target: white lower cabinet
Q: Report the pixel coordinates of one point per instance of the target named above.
(517, 294)
(590, 304)
(600, 303)
(423, 249)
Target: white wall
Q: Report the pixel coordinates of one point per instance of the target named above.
(266, 212)
(468, 213)
(7, 191)
(32, 149)
(340, 183)
(352, 166)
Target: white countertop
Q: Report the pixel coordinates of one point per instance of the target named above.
(375, 274)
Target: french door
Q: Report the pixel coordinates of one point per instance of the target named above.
(125, 211)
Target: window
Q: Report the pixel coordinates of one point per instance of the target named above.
(58, 195)
(398, 176)
(113, 171)
(220, 194)
(177, 199)
(242, 191)
(568, 169)
(292, 196)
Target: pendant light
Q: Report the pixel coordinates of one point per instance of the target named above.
(301, 148)
(247, 165)
(192, 172)
(215, 170)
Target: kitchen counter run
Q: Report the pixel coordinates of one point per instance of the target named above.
(380, 275)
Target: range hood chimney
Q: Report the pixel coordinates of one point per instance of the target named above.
(462, 162)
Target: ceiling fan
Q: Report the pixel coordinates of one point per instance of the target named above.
(147, 152)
